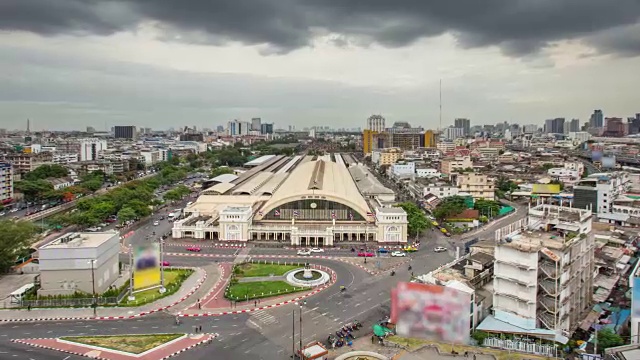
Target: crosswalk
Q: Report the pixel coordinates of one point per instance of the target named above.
(263, 317)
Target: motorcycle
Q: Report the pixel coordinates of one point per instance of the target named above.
(350, 335)
(339, 334)
(356, 324)
(343, 289)
(393, 273)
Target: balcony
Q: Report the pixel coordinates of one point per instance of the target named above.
(549, 269)
(549, 287)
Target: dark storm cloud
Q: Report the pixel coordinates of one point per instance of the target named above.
(518, 27)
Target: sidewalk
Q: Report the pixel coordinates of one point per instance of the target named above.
(195, 285)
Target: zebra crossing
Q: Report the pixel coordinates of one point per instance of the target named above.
(263, 317)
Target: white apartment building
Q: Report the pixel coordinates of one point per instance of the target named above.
(577, 166)
(6, 182)
(91, 149)
(543, 272)
(63, 159)
(598, 192)
(441, 191)
(151, 157)
(479, 186)
(427, 173)
(405, 169)
(579, 137)
(450, 165)
(376, 123)
(66, 264)
(563, 173)
(446, 146)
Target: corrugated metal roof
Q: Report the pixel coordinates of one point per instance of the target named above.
(224, 178)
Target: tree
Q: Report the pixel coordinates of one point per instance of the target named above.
(220, 171)
(46, 171)
(15, 238)
(417, 221)
(125, 214)
(172, 195)
(488, 208)
(33, 189)
(608, 338)
(450, 206)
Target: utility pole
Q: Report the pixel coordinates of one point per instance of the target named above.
(293, 333)
(93, 285)
(300, 327)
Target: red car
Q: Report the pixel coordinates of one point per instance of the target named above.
(193, 248)
(366, 254)
(165, 264)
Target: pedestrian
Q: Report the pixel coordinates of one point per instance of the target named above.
(29, 307)
(373, 339)
(474, 356)
(195, 329)
(255, 303)
(200, 328)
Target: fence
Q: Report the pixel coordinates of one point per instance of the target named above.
(69, 302)
(522, 346)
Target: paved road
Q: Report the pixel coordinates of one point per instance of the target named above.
(259, 335)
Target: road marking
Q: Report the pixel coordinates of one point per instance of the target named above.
(369, 299)
(356, 305)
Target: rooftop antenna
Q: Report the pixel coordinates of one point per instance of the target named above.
(440, 126)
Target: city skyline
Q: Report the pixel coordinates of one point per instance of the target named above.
(323, 63)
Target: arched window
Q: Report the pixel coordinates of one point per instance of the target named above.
(313, 209)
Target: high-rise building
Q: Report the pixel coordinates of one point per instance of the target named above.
(368, 141)
(376, 123)
(465, 124)
(90, 149)
(453, 133)
(634, 124)
(530, 129)
(256, 124)
(6, 182)
(266, 129)
(430, 139)
(554, 126)
(125, 132)
(574, 125)
(238, 128)
(614, 127)
(597, 119)
(91, 129)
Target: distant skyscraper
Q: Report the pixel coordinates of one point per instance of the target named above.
(238, 128)
(574, 125)
(219, 128)
(597, 119)
(376, 123)
(465, 124)
(453, 133)
(125, 132)
(530, 129)
(554, 126)
(91, 129)
(91, 149)
(255, 124)
(266, 129)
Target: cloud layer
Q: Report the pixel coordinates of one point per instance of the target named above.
(518, 27)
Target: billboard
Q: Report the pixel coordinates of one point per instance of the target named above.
(635, 298)
(546, 189)
(609, 162)
(433, 312)
(146, 266)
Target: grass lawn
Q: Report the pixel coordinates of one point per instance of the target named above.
(256, 289)
(413, 344)
(257, 270)
(173, 279)
(134, 344)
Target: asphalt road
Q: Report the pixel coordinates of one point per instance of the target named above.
(257, 335)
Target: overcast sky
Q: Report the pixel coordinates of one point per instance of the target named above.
(67, 64)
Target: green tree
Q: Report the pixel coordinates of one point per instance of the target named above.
(608, 338)
(33, 189)
(15, 238)
(46, 171)
(417, 221)
(220, 171)
(172, 195)
(92, 185)
(125, 214)
(449, 206)
(489, 208)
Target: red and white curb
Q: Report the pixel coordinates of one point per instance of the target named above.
(212, 246)
(291, 301)
(26, 342)
(214, 288)
(191, 292)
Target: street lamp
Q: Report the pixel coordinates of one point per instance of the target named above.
(301, 304)
(93, 284)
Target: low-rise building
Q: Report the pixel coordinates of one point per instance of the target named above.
(563, 173)
(386, 157)
(453, 164)
(479, 186)
(60, 183)
(64, 158)
(598, 192)
(77, 262)
(23, 163)
(440, 190)
(403, 169)
(427, 173)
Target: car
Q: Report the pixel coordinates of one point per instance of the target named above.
(3, 213)
(162, 217)
(410, 249)
(194, 249)
(103, 225)
(440, 249)
(156, 223)
(166, 263)
(366, 254)
(398, 254)
(93, 229)
(13, 210)
(304, 252)
(383, 250)
(317, 250)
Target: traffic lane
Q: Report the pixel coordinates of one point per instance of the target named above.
(168, 247)
(186, 261)
(10, 350)
(150, 324)
(294, 252)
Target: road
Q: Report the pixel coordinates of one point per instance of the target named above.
(263, 334)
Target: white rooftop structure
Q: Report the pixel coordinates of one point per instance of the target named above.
(224, 178)
(259, 161)
(79, 240)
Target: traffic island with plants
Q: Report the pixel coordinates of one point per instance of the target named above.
(173, 279)
(247, 289)
(132, 344)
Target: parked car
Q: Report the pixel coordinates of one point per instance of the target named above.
(304, 252)
(398, 254)
(317, 250)
(194, 249)
(366, 254)
(410, 249)
(156, 223)
(440, 249)
(166, 263)
(93, 229)
(103, 224)
(383, 250)
(13, 210)
(3, 213)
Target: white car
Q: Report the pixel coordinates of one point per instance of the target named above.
(304, 252)
(440, 249)
(398, 254)
(3, 213)
(317, 250)
(13, 210)
(156, 223)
